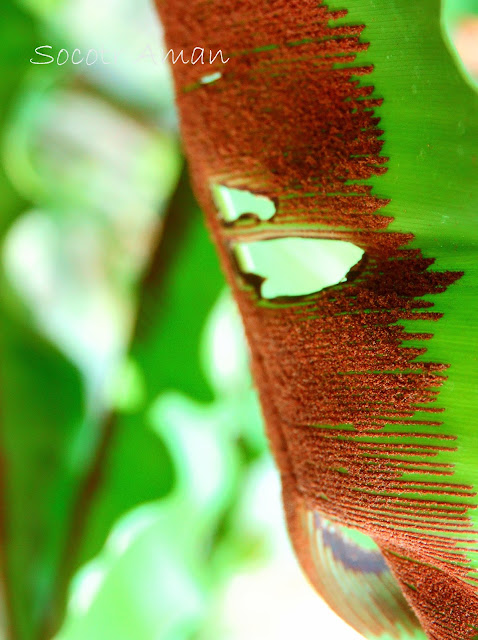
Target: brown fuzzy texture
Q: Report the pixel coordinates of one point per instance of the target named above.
(294, 123)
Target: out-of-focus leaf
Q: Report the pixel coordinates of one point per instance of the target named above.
(41, 408)
(16, 40)
(456, 9)
(135, 466)
(132, 467)
(189, 287)
(44, 427)
(172, 549)
(40, 419)
(131, 464)
(460, 22)
(77, 257)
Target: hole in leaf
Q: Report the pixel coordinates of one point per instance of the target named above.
(289, 267)
(210, 78)
(234, 203)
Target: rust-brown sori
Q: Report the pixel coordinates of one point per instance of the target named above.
(291, 119)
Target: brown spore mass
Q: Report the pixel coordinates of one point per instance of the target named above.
(292, 118)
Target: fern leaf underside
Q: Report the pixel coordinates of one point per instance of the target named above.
(360, 127)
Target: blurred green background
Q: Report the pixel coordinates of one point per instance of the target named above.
(138, 498)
